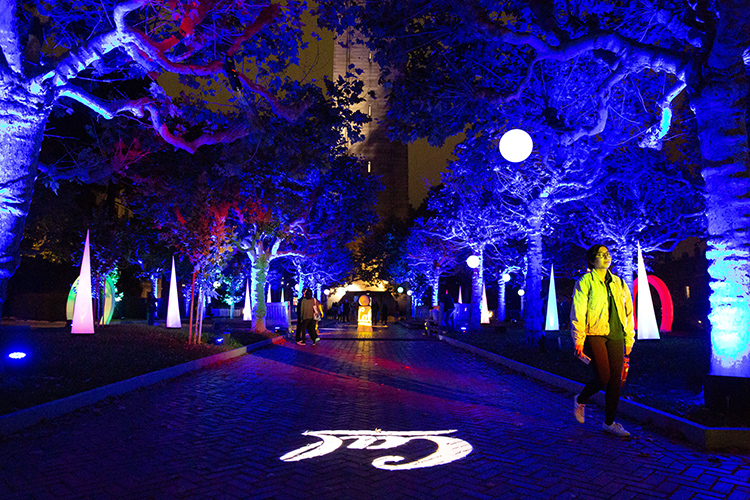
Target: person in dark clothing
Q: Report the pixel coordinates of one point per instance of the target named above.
(384, 313)
(346, 311)
(375, 313)
(307, 309)
(448, 308)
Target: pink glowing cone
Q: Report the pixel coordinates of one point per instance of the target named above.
(247, 313)
(173, 307)
(83, 310)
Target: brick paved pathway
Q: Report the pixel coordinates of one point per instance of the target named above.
(219, 433)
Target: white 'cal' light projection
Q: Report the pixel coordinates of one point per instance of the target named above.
(173, 307)
(449, 449)
(83, 310)
(516, 145)
(552, 322)
(647, 327)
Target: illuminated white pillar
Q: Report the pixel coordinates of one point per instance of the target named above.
(552, 322)
(485, 309)
(83, 310)
(268, 300)
(282, 294)
(247, 311)
(647, 327)
(460, 295)
(173, 306)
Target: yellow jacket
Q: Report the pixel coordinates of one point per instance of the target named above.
(589, 314)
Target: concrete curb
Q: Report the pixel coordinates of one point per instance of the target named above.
(27, 417)
(707, 438)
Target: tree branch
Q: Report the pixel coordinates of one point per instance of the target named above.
(9, 42)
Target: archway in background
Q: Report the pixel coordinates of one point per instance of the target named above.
(667, 307)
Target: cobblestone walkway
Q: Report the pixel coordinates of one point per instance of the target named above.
(220, 433)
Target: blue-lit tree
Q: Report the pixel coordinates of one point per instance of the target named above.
(59, 53)
(470, 214)
(452, 61)
(427, 257)
(657, 206)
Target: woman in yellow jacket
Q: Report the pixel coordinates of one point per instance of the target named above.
(601, 320)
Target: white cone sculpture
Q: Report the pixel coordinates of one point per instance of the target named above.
(247, 313)
(460, 296)
(552, 322)
(647, 327)
(282, 294)
(268, 300)
(83, 310)
(173, 306)
(485, 309)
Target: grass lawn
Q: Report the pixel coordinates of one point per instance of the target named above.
(59, 364)
(666, 374)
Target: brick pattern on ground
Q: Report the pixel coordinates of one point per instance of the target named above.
(219, 433)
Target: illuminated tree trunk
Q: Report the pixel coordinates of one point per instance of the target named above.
(720, 110)
(533, 317)
(501, 299)
(477, 287)
(258, 285)
(22, 121)
(435, 282)
(627, 253)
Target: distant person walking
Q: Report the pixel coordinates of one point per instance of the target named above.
(601, 319)
(308, 310)
(375, 312)
(384, 312)
(345, 311)
(448, 308)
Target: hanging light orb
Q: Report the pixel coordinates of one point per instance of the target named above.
(516, 145)
(521, 292)
(409, 292)
(472, 261)
(506, 277)
(400, 289)
(327, 291)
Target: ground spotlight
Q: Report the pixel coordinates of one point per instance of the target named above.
(17, 355)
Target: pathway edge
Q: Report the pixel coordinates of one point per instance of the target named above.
(18, 420)
(707, 438)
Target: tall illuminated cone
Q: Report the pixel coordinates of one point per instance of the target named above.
(485, 309)
(83, 309)
(268, 300)
(552, 322)
(247, 313)
(460, 295)
(647, 327)
(173, 306)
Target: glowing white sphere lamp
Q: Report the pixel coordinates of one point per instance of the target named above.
(506, 277)
(409, 292)
(472, 261)
(521, 292)
(327, 292)
(400, 289)
(516, 145)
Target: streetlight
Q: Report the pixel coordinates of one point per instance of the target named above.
(472, 261)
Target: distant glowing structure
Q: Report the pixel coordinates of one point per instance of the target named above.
(516, 145)
(247, 313)
(83, 310)
(647, 327)
(173, 306)
(552, 322)
(485, 309)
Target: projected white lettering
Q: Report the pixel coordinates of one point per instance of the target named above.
(449, 448)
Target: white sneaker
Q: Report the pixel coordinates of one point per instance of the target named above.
(579, 410)
(616, 429)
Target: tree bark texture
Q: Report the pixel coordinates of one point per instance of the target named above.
(533, 317)
(23, 117)
(477, 287)
(260, 272)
